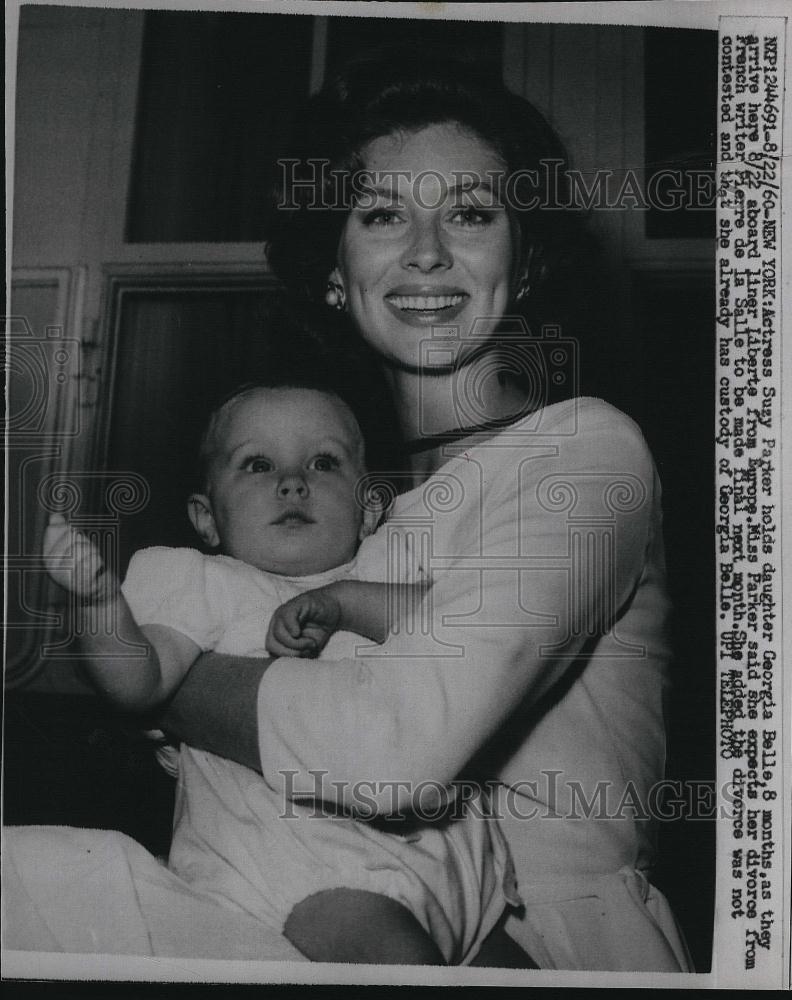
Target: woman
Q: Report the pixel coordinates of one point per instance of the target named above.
(421, 202)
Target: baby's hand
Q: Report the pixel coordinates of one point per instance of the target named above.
(303, 625)
(74, 562)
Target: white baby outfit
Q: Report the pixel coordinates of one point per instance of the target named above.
(246, 844)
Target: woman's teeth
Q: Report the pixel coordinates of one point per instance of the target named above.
(429, 303)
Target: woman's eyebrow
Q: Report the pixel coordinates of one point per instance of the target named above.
(477, 186)
(462, 186)
(471, 183)
(382, 191)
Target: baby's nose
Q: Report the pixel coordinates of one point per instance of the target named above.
(292, 485)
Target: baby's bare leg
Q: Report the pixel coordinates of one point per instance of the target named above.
(352, 925)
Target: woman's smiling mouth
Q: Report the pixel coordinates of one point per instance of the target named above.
(426, 306)
(422, 303)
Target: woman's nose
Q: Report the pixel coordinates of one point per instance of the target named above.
(427, 249)
(292, 486)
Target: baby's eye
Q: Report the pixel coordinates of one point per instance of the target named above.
(258, 464)
(324, 463)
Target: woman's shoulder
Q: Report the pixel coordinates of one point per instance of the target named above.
(585, 435)
(581, 415)
(587, 424)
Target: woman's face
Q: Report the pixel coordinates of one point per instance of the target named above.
(432, 247)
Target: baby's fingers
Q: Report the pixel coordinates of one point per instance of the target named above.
(58, 550)
(317, 636)
(57, 537)
(294, 647)
(275, 648)
(73, 560)
(289, 615)
(282, 639)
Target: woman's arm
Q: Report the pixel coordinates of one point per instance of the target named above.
(216, 707)
(209, 713)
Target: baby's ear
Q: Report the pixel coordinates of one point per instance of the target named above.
(372, 515)
(199, 510)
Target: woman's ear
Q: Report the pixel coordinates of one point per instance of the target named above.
(529, 271)
(199, 510)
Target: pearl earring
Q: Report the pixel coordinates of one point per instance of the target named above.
(334, 296)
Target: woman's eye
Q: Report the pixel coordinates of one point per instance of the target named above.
(466, 215)
(324, 463)
(382, 217)
(258, 465)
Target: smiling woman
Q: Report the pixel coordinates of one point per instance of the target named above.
(518, 161)
(426, 253)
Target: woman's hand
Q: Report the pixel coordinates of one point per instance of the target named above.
(303, 625)
(75, 563)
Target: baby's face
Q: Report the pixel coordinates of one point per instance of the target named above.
(283, 468)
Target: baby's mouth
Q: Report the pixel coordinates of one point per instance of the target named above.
(293, 517)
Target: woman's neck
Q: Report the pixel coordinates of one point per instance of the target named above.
(436, 404)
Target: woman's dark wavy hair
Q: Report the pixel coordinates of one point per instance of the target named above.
(398, 91)
(308, 347)
(391, 93)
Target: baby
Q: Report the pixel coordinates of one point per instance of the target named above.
(298, 564)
